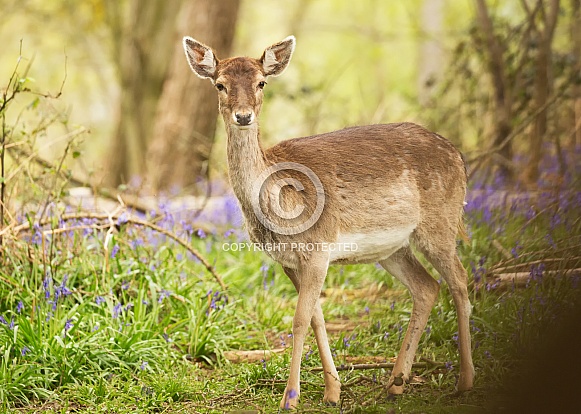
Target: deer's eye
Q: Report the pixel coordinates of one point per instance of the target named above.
(261, 84)
(220, 87)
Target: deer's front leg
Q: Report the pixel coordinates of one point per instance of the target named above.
(332, 382)
(312, 275)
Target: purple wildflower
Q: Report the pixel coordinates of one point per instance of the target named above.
(68, 324)
(143, 365)
(46, 287)
(24, 350)
(201, 234)
(125, 285)
(163, 294)
(19, 306)
(37, 236)
(3, 321)
(99, 300)
(123, 218)
(448, 365)
(114, 251)
(116, 310)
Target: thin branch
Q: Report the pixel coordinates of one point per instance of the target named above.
(15, 230)
(388, 365)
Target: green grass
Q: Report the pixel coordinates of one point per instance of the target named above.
(143, 326)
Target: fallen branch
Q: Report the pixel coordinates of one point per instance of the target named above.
(522, 278)
(252, 356)
(527, 265)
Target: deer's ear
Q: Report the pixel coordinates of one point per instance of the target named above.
(201, 58)
(276, 58)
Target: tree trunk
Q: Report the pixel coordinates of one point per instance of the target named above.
(187, 111)
(140, 35)
(543, 86)
(576, 53)
(431, 58)
(502, 91)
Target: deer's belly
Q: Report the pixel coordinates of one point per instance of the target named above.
(369, 246)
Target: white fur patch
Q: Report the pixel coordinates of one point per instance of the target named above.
(208, 59)
(373, 246)
(269, 60)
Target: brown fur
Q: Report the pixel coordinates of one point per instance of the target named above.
(385, 186)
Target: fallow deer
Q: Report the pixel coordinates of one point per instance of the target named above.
(376, 190)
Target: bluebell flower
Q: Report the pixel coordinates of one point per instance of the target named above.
(99, 300)
(114, 251)
(19, 306)
(68, 324)
(123, 218)
(3, 321)
(24, 350)
(116, 310)
(163, 294)
(37, 234)
(46, 287)
(201, 234)
(143, 365)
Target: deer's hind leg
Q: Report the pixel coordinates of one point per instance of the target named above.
(404, 266)
(448, 264)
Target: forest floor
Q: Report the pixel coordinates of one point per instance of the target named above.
(104, 314)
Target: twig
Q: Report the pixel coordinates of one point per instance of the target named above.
(373, 366)
(496, 244)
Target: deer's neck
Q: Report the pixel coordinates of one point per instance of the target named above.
(246, 160)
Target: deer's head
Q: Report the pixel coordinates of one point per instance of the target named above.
(239, 80)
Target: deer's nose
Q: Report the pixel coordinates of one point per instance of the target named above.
(243, 118)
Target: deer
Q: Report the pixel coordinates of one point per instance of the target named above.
(364, 194)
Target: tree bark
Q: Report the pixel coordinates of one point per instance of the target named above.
(140, 31)
(543, 86)
(576, 53)
(431, 58)
(185, 122)
(502, 91)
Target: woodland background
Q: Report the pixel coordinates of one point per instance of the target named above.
(500, 79)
